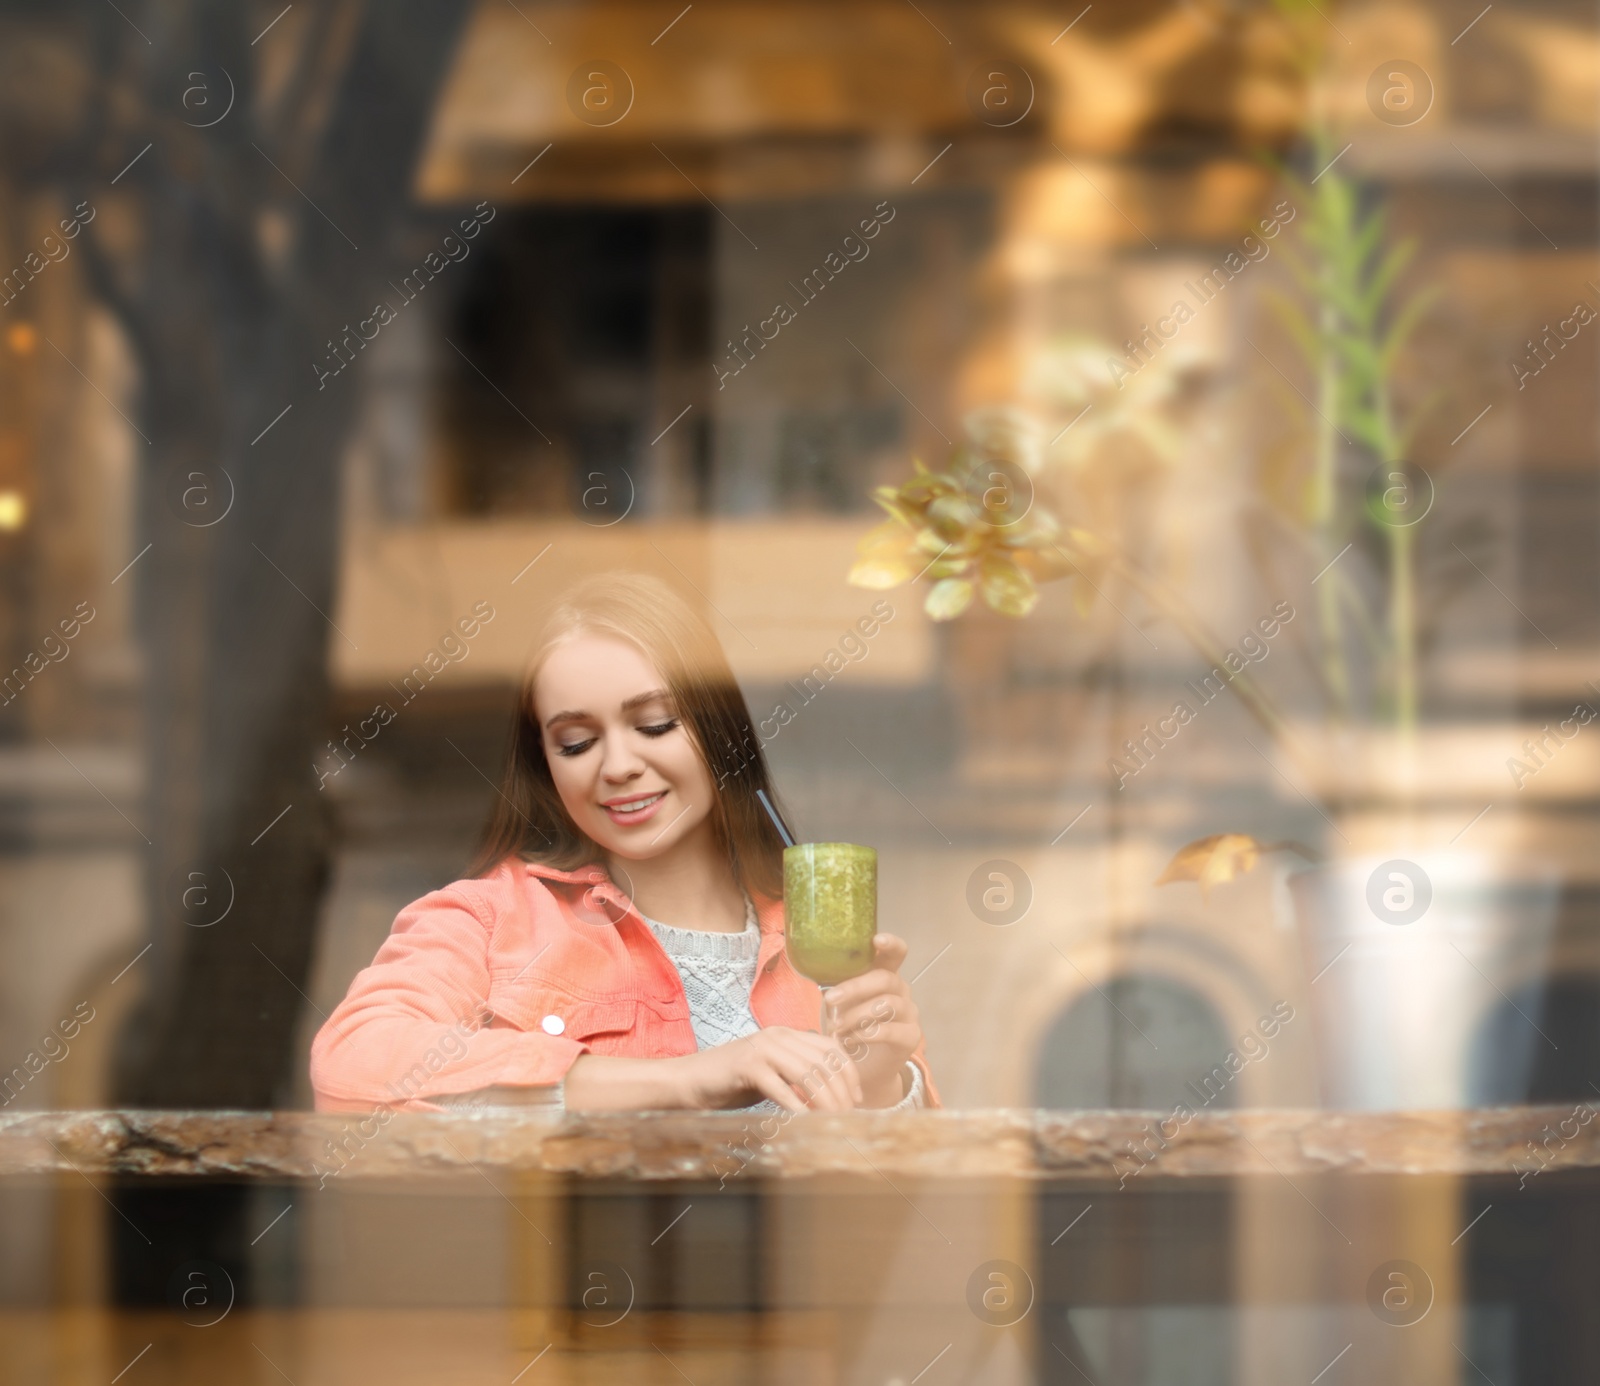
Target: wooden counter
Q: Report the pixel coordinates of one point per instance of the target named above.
(1049, 1147)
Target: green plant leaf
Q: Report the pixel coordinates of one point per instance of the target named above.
(1294, 321)
(1366, 239)
(1359, 355)
(1384, 276)
(1405, 322)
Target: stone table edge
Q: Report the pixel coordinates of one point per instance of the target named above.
(1045, 1146)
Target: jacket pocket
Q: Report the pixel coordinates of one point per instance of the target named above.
(539, 1007)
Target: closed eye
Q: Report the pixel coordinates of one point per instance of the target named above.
(660, 728)
(575, 748)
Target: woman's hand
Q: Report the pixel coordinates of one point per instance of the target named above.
(795, 1068)
(875, 1020)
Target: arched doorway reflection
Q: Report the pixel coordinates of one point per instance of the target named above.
(1564, 1013)
(1138, 1041)
(1142, 1041)
(1520, 1331)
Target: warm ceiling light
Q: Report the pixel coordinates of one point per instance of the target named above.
(13, 511)
(22, 338)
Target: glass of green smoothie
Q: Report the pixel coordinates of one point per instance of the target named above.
(830, 911)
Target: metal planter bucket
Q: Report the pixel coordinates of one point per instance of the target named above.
(1410, 957)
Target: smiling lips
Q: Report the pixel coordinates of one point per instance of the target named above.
(635, 810)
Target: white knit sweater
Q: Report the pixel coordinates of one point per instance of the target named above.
(718, 972)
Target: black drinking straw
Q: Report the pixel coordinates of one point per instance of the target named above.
(777, 822)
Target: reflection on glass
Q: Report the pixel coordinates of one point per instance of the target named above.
(1232, 665)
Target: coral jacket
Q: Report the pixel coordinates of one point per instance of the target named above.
(505, 980)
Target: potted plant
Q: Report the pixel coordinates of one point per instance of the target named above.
(1409, 947)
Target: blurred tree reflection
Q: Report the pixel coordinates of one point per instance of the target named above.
(248, 177)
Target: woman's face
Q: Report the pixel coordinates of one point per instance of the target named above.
(624, 765)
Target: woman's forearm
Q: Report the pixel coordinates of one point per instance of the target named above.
(601, 1083)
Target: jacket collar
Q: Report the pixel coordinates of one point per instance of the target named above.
(584, 875)
(769, 910)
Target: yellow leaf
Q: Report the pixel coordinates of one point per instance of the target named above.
(887, 536)
(953, 517)
(880, 574)
(948, 598)
(1212, 860)
(888, 497)
(1045, 565)
(926, 487)
(888, 557)
(1007, 588)
(953, 565)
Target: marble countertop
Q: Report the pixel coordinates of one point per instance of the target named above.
(1044, 1146)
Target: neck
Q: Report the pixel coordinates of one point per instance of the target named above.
(690, 887)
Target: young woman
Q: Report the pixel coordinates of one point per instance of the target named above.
(620, 945)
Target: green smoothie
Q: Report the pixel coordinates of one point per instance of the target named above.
(830, 909)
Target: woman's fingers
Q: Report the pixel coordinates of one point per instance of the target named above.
(890, 1001)
(813, 1083)
(824, 1072)
(798, 1069)
(880, 981)
(850, 1073)
(889, 951)
(777, 1059)
(869, 1015)
(770, 1084)
(818, 1067)
(806, 1046)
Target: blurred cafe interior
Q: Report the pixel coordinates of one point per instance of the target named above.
(1196, 401)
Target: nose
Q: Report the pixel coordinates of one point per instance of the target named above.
(621, 762)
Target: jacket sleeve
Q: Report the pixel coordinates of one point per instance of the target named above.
(413, 1023)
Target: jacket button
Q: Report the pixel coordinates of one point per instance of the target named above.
(553, 1025)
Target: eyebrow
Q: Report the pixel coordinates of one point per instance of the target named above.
(638, 700)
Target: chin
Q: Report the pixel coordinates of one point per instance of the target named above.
(626, 845)
(635, 854)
